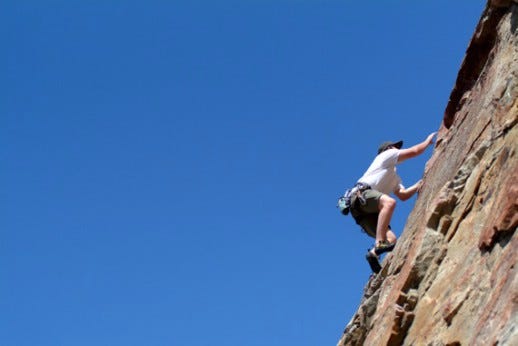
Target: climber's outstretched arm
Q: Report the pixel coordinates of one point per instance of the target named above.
(405, 154)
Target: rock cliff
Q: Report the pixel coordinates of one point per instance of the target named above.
(452, 279)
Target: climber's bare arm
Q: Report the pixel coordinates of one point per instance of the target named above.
(405, 193)
(405, 154)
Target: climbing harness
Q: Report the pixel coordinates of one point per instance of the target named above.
(344, 202)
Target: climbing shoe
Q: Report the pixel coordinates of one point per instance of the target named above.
(383, 246)
(373, 261)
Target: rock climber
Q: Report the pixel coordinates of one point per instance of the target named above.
(371, 204)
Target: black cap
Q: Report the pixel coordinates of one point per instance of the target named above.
(385, 145)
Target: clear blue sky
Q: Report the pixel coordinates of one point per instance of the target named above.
(170, 169)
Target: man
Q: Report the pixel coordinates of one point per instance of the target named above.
(371, 204)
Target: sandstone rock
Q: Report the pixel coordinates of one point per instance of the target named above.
(452, 279)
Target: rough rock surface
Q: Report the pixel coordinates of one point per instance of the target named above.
(452, 279)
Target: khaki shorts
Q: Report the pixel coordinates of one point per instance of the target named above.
(366, 215)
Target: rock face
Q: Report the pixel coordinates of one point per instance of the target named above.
(452, 279)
